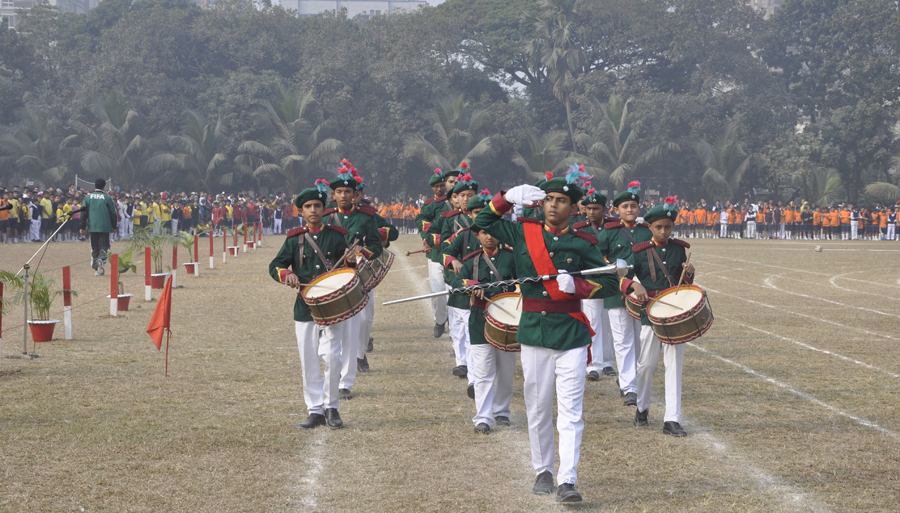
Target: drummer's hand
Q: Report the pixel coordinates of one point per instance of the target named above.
(688, 268)
(455, 266)
(479, 293)
(639, 292)
(292, 281)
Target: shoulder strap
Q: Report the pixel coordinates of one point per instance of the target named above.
(475, 267)
(665, 271)
(627, 235)
(493, 268)
(318, 250)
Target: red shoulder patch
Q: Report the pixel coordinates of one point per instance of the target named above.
(451, 213)
(297, 231)
(336, 228)
(471, 255)
(367, 210)
(442, 198)
(637, 248)
(367, 201)
(528, 220)
(507, 248)
(645, 225)
(612, 225)
(679, 242)
(586, 236)
(429, 201)
(581, 224)
(330, 211)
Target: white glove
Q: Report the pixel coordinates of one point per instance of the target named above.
(525, 194)
(566, 283)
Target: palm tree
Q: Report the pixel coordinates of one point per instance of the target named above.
(557, 46)
(456, 127)
(617, 152)
(196, 152)
(542, 153)
(114, 148)
(295, 149)
(725, 162)
(884, 191)
(32, 146)
(820, 186)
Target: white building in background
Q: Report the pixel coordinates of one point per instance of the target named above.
(354, 8)
(770, 7)
(8, 8)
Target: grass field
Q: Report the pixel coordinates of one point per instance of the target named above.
(791, 400)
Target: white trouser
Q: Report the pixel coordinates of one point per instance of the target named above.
(492, 398)
(366, 327)
(602, 352)
(854, 229)
(436, 280)
(122, 229)
(459, 334)
(35, 229)
(781, 231)
(315, 342)
(673, 359)
(723, 230)
(175, 226)
(891, 232)
(129, 226)
(751, 229)
(276, 227)
(542, 367)
(626, 332)
(350, 348)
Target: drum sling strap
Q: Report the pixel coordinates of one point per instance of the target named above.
(489, 264)
(651, 251)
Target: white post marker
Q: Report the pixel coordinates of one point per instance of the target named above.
(67, 301)
(148, 286)
(113, 289)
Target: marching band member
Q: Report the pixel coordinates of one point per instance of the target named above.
(553, 332)
(616, 241)
(665, 259)
(362, 231)
(298, 262)
(431, 210)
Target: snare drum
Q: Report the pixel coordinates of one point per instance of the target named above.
(367, 275)
(335, 296)
(692, 318)
(382, 265)
(633, 306)
(501, 321)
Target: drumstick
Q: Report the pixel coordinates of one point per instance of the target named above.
(664, 303)
(351, 250)
(414, 252)
(491, 302)
(682, 274)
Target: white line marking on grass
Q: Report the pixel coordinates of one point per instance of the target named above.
(811, 348)
(310, 480)
(757, 263)
(835, 285)
(771, 285)
(803, 395)
(783, 310)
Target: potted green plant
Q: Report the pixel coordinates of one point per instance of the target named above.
(40, 297)
(145, 238)
(125, 265)
(186, 239)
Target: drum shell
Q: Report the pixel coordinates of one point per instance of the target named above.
(686, 326)
(382, 265)
(339, 305)
(633, 306)
(367, 275)
(499, 334)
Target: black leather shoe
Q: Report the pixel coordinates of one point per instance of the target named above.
(470, 391)
(370, 347)
(313, 421)
(673, 429)
(332, 419)
(502, 421)
(609, 371)
(438, 330)
(630, 399)
(566, 493)
(344, 394)
(461, 371)
(543, 485)
(593, 376)
(482, 428)
(640, 418)
(362, 364)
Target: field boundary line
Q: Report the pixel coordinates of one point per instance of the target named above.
(839, 276)
(771, 285)
(792, 269)
(799, 393)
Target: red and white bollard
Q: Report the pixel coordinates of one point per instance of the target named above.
(224, 244)
(67, 302)
(1, 317)
(113, 286)
(246, 228)
(148, 279)
(212, 263)
(174, 265)
(196, 256)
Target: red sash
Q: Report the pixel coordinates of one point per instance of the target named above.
(537, 250)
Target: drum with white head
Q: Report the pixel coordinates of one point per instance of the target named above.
(680, 314)
(501, 321)
(335, 296)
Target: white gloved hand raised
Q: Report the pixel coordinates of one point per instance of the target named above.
(566, 283)
(525, 194)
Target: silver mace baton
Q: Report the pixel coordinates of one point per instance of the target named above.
(620, 268)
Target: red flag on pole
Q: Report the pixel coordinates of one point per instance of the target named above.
(159, 323)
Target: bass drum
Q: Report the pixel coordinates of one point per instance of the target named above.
(689, 317)
(335, 296)
(501, 321)
(382, 265)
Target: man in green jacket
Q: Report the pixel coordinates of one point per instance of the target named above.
(98, 216)
(553, 331)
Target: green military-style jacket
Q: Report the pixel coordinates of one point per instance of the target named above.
(505, 263)
(361, 228)
(615, 245)
(99, 213)
(672, 254)
(332, 243)
(570, 251)
(386, 230)
(535, 211)
(431, 210)
(459, 245)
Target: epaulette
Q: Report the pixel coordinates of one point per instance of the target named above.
(586, 236)
(612, 225)
(471, 255)
(429, 201)
(581, 224)
(297, 231)
(367, 201)
(367, 210)
(438, 200)
(528, 220)
(637, 248)
(451, 213)
(330, 211)
(507, 248)
(336, 228)
(679, 242)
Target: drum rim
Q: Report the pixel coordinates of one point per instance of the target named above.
(489, 318)
(329, 321)
(693, 335)
(331, 295)
(684, 315)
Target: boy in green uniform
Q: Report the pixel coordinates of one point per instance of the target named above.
(488, 363)
(431, 210)
(98, 216)
(616, 241)
(657, 265)
(362, 231)
(298, 262)
(553, 332)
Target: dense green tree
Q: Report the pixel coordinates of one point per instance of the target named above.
(195, 157)
(725, 161)
(457, 135)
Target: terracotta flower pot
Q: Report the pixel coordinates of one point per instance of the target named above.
(233, 250)
(190, 267)
(123, 301)
(158, 281)
(250, 244)
(42, 331)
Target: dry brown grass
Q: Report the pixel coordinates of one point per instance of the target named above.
(93, 423)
